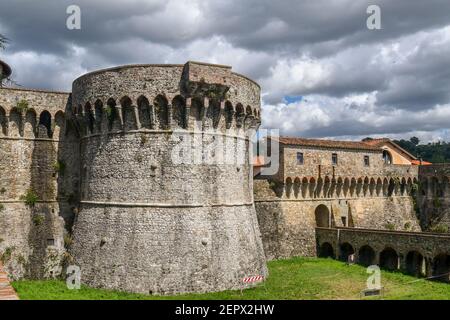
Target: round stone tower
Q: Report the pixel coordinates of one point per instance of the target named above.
(166, 199)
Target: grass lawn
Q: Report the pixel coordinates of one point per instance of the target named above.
(298, 278)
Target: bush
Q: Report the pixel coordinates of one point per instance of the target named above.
(59, 166)
(439, 228)
(6, 255)
(22, 106)
(30, 198)
(38, 220)
(2, 207)
(68, 240)
(389, 226)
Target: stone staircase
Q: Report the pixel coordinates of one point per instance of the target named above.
(6, 291)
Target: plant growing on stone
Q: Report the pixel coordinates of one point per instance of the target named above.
(21, 260)
(407, 226)
(68, 240)
(30, 198)
(59, 166)
(439, 228)
(6, 255)
(22, 106)
(437, 202)
(2, 207)
(389, 226)
(2, 190)
(38, 220)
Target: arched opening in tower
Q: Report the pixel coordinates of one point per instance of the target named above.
(389, 259)
(322, 215)
(346, 250)
(326, 251)
(441, 267)
(415, 264)
(45, 121)
(366, 256)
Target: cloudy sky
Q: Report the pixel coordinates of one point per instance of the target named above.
(323, 72)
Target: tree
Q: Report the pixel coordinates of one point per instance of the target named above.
(414, 140)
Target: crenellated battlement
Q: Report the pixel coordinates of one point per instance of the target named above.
(195, 96)
(164, 113)
(32, 114)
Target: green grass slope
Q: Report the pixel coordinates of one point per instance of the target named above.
(297, 278)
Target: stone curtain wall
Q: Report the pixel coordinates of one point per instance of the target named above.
(32, 142)
(148, 224)
(434, 197)
(379, 196)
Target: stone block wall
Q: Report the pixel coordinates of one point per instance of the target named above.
(152, 218)
(434, 197)
(38, 160)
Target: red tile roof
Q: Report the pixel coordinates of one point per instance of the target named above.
(258, 161)
(333, 144)
(418, 162)
(381, 141)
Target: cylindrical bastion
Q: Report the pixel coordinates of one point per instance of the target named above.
(166, 182)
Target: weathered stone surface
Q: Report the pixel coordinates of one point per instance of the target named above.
(434, 197)
(31, 236)
(146, 222)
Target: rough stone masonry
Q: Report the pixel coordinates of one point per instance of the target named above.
(90, 179)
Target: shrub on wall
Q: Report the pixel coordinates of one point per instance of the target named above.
(30, 198)
(6, 255)
(22, 106)
(439, 228)
(38, 220)
(59, 166)
(389, 226)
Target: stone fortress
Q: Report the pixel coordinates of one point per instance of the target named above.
(370, 199)
(93, 178)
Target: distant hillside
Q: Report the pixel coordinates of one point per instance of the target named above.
(438, 152)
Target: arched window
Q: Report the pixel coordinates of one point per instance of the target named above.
(128, 116)
(89, 117)
(162, 111)
(145, 113)
(3, 122)
(179, 111)
(228, 114)
(98, 115)
(387, 157)
(45, 121)
(322, 215)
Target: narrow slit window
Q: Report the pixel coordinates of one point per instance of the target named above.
(300, 158)
(334, 159)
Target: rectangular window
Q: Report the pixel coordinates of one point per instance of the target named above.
(366, 161)
(299, 157)
(334, 159)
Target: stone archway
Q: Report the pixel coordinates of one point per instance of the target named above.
(389, 259)
(441, 267)
(345, 250)
(366, 256)
(415, 264)
(322, 214)
(326, 251)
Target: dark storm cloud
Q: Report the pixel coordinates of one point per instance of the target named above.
(305, 48)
